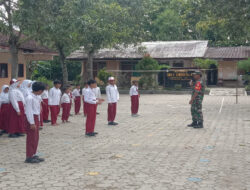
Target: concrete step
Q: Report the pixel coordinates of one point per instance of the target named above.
(227, 92)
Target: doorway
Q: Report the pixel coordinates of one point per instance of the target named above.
(212, 75)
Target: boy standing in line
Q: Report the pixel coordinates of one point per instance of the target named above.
(112, 98)
(66, 104)
(91, 102)
(54, 101)
(83, 98)
(134, 94)
(32, 110)
(77, 99)
(45, 104)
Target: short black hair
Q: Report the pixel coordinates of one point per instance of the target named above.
(66, 88)
(91, 82)
(57, 82)
(37, 86)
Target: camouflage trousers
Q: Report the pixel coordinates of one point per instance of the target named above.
(196, 111)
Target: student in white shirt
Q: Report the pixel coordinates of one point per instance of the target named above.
(25, 87)
(54, 101)
(91, 103)
(4, 109)
(16, 111)
(77, 98)
(66, 104)
(98, 95)
(71, 98)
(112, 98)
(32, 111)
(45, 104)
(83, 94)
(134, 94)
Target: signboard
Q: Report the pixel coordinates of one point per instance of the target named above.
(174, 77)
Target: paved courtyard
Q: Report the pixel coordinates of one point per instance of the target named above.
(154, 151)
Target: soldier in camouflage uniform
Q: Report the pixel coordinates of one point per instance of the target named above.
(198, 90)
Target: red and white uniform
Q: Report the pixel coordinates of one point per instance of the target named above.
(17, 101)
(32, 110)
(45, 105)
(134, 94)
(66, 104)
(91, 105)
(54, 103)
(112, 98)
(83, 98)
(4, 109)
(77, 99)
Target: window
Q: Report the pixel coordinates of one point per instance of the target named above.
(20, 70)
(3, 70)
(178, 64)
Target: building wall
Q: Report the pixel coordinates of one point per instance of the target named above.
(227, 70)
(5, 58)
(22, 59)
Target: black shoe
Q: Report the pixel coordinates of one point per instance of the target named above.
(199, 125)
(46, 121)
(4, 132)
(32, 161)
(112, 123)
(13, 136)
(20, 134)
(193, 124)
(90, 134)
(95, 133)
(1, 134)
(39, 159)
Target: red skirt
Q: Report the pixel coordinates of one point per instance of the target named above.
(17, 123)
(4, 117)
(45, 107)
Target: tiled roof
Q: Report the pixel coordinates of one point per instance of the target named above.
(241, 52)
(157, 50)
(28, 45)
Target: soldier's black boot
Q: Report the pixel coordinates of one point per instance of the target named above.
(193, 124)
(199, 125)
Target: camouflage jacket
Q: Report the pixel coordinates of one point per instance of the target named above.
(199, 87)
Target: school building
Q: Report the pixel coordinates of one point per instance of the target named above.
(28, 51)
(179, 55)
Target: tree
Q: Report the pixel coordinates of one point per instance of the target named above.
(55, 22)
(244, 65)
(104, 25)
(12, 25)
(204, 65)
(151, 68)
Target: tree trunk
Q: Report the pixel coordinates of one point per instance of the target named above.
(63, 66)
(90, 65)
(14, 60)
(84, 73)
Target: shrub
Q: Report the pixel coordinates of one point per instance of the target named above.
(45, 81)
(103, 76)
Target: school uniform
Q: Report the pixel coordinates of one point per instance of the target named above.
(25, 89)
(66, 104)
(71, 100)
(54, 103)
(91, 105)
(17, 103)
(45, 105)
(83, 98)
(112, 98)
(32, 110)
(97, 92)
(77, 99)
(134, 94)
(4, 109)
